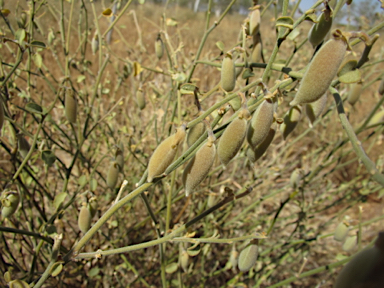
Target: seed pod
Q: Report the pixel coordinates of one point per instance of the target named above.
(377, 118)
(51, 37)
(381, 87)
(23, 145)
(254, 21)
(290, 121)
(260, 123)
(234, 258)
(341, 232)
(198, 168)
(313, 110)
(140, 99)
(228, 73)
(10, 204)
(233, 138)
(365, 268)
(239, 69)
(18, 284)
(296, 177)
(256, 53)
(1, 115)
(350, 243)
(95, 43)
(195, 133)
(248, 257)
(119, 156)
(211, 200)
(70, 106)
(320, 72)
(113, 174)
(159, 47)
(354, 93)
(93, 206)
(320, 29)
(164, 154)
(84, 220)
(184, 257)
(255, 154)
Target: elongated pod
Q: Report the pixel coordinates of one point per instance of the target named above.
(228, 73)
(313, 110)
(159, 47)
(70, 106)
(113, 174)
(381, 87)
(254, 21)
(256, 153)
(320, 29)
(164, 154)
(290, 121)
(248, 257)
(321, 71)
(195, 133)
(84, 220)
(354, 93)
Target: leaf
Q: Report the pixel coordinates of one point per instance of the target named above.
(350, 77)
(194, 250)
(38, 44)
(171, 268)
(94, 272)
(59, 199)
(56, 269)
(220, 45)
(80, 78)
(82, 180)
(346, 67)
(34, 108)
(20, 35)
(48, 157)
(293, 34)
(38, 60)
(107, 12)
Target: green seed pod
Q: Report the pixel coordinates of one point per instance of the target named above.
(113, 174)
(93, 206)
(260, 123)
(320, 29)
(341, 232)
(381, 87)
(95, 43)
(354, 93)
(84, 220)
(140, 99)
(119, 156)
(184, 257)
(296, 177)
(10, 204)
(321, 71)
(51, 37)
(365, 268)
(290, 121)
(195, 133)
(70, 105)
(22, 20)
(377, 118)
(254, 21)
(255, 154)
(164, 154)
(159, 47)
(228, 73)
(198, 168)
(234, 258)
(256, 53)
(313, 110)
(18, 284)
(23, 145)
(350, 243)
(211, 200)
(248, 257)
(233, 138)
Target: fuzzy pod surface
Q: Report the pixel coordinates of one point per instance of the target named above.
(140, 99)
(159, 47)
(313, 110)
(354, 93)
(254, 21)
(10, 205)
(319, 30)
(164, 154)
(195, 133)
(290, 121)
(70, 106)
(198, 168)
(321, 71)
(184, 259)
(260, 123)
(231, 140)
(85, 219)
(350, 243)
(256, 153)
(119, 156)
(248, 257)
(341, 232)
(113, 174)
(228, 74)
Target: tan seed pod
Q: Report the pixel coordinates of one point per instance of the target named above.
(350, 243)
(164, 154)
(159, 47)
(10, 204)
(341, 232)
(212, 198)
(23, 145)
(195, 133)
(290, 121)
(198, 168)
(85, 219)
(248, 257)
(381, 87)
(228, 73)
(140, 99)
(95, 43)
(18, 284)
(296, 177)
(256, 53)
(113, 174)
(313, 110)
(184, 258)
(256, 153)
(365, 268)
(260, 123)
(320, 29)
(354, 93)
(321, 71)
(70, 105)
(254, 21)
